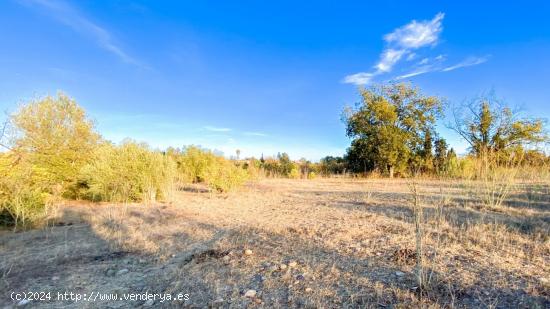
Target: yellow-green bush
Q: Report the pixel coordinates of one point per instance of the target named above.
(53, 151)
(130, 172)
(55, 135)
(23, 197)
(253, 168)
(294, 173)
(194, 163)
(50, 140)
(224, 176)
(197, 165)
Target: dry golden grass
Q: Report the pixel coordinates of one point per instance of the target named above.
(315, 243)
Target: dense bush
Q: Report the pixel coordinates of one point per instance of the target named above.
(130, 172)
(281, 166)
(196, 165)
(56, 137)
(330, 165)
(49, 141)
(23, 196)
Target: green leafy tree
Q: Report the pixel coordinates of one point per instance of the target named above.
(389, 125)
(46, 143)
(427, 152)
(55, 135)
(285, 164)
(491, 127)
(330, 165)
(440, 158)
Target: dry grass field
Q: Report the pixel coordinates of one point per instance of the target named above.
(324, 243)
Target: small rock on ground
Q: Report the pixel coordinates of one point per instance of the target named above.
(23, 303)
(250, 293)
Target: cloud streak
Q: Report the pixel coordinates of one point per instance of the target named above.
(437, 66)
(69, 16)
(468, 62)
(400, 43)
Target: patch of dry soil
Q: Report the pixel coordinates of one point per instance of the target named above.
(285, 243)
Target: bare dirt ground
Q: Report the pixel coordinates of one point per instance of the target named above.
(327, 243)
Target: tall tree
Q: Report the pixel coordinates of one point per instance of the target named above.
(490, 127)
(56, 136)
(427, 152)
(440, 158)
(389, 126)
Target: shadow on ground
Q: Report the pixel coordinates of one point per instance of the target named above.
(79, 256)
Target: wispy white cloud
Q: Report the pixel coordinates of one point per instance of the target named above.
(418, 71)
(66, 14)
(428, 65)
(417, 34)
(358, 78)
(470, 61)
(388, 59)
(402, 41)
(216, 129)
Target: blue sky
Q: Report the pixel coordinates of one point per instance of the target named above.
(265, 76)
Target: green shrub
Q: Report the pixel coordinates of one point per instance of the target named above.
(294, 173)
(194, 163)
(130, 172)
(224, 176)
(55, 135)
(50, 140)
(23, 197)
(197, 165)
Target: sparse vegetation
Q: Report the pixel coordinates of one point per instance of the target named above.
(53, 152)
(450, 231)
(196, 165)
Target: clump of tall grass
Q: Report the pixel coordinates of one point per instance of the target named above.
(130, 172)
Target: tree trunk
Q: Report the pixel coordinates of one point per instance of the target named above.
(391, 171)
